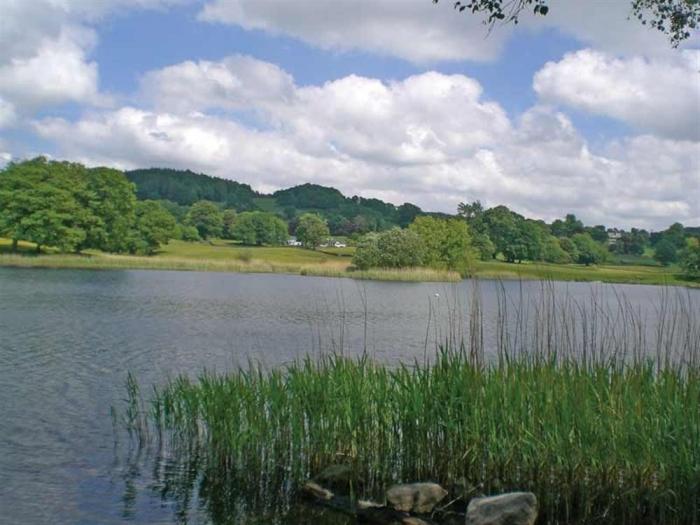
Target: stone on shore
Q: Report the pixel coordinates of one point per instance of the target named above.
(420, 498)
(513, 508)
(317, 491)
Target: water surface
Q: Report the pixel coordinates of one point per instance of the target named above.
(68, 339)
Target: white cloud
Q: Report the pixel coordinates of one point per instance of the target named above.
(420, 32)
(7, 113)
(429, 139)
(237, 82)
(45, 47)
(662, 96)
(57, 73)
(414, 30)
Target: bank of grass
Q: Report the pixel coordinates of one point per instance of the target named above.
(227, 256)
(628, 274)
(597, 443)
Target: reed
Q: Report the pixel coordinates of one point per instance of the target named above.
(577, 401)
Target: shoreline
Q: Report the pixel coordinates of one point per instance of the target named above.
(654, 276)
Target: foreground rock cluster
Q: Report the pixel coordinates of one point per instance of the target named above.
(421, 504)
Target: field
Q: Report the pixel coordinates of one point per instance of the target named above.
(227, 256)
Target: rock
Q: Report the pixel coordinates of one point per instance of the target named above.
(513, 508)
(412, 520)
(335, 475)
(364, 505)
(317, 491)
(420, 498)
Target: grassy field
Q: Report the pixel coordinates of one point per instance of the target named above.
(227, 256)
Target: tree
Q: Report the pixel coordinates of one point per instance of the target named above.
(588, 251)
(599, 233)
(258, 228)
(406, 213)
(311, 230)
(110, 201)
(665, 252)
(568, 227)
(552, 252)
(690, 259)
(153, 227)
(395, 248)
(675, 18)
(447, 242)
(228, 221)
(207, 218)
(38, 204)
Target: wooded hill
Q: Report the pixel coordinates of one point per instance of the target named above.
(345, 215)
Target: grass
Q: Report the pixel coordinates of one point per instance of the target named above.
(569, 409)
(596, 444)
(628, 274)
(227, 256)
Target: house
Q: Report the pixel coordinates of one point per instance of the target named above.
(292, 241)
(338, 244)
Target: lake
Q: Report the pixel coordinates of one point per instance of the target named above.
(69, 338)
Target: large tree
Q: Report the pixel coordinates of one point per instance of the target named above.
(38, 204)
(258, 228)
(675, 18)
(207, 218)
(312, 229)
(153, 227)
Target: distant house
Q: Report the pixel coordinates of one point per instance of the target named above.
(614, 235)
(338, 244)
(292, 241)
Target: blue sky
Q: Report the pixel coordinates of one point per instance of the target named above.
(581, 111)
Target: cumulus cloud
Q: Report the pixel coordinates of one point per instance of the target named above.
(661, 96)
(431, 139)
(44, 52)
(237, 82)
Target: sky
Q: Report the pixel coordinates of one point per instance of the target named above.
(581, 111)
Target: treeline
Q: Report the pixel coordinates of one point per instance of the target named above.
(344, 215)
(72, 208)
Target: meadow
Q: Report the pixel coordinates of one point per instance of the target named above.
(227, 256)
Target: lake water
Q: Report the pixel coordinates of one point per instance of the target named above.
(68, 339)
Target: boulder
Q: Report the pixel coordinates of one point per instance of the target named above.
(513, 508)
(420, 498)
(317, 491)
(335, 475)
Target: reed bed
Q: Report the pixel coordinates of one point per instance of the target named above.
(579, 402)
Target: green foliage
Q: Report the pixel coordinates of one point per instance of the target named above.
(552, 252)
(153, 227)
(599, 233)
(569, 227)
(481, 242)
(258, 228)
(395, 248)
(312, 230)
(207, 218)
(38, 203)
(188, 233)
(186, 187)
(588, 251)
(665, 252)
(110, 201)
(447, 243)
(690, 259)
(632, 242)
(229, 221)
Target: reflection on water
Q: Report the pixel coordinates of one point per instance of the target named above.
(70, 337)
